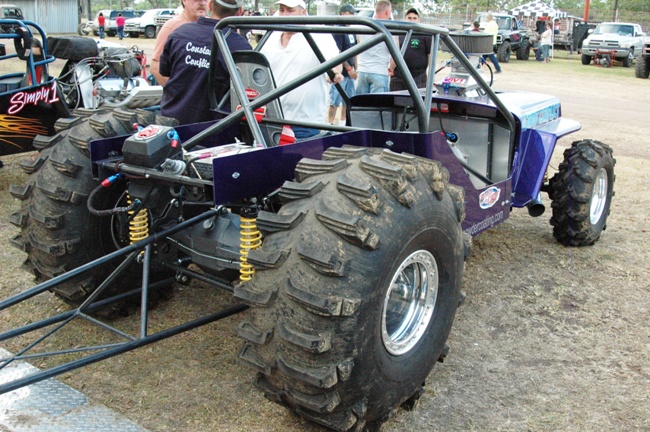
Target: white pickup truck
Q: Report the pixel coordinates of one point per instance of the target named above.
(626, 39)
(145, 24)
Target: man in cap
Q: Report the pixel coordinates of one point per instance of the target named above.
(192, 10)
(290, 57)
(416, 56)
(344, 42)
(186, 61)
(374, 63)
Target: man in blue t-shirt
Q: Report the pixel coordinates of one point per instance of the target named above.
(186, 61)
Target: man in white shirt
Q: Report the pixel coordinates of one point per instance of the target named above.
(290, 57)
(374, 63)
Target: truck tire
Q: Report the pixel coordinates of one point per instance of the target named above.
(503, 52)
(523, 52)
(627, 60)
(328, 332)
(581, 193)
(642, 69)
(150, 32)
(58, 232)
(585, 59)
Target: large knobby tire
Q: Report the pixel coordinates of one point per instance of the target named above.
(364, 235)
(642, 69)
(582, 192)
(523, 52)
(58, 232)
(503, 52)
(586, 59)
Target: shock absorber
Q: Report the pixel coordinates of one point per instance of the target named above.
(250, 238)
(138, 223)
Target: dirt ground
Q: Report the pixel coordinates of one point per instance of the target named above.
(550, 338)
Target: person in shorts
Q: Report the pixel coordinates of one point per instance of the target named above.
(344, 42)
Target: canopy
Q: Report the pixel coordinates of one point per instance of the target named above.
(537, 9)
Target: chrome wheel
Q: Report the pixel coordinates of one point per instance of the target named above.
(409, 303)
(598, 197)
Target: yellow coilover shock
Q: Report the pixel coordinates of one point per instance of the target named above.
(250, 238)
(138, 224)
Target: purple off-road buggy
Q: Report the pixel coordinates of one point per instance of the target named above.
(346, 250)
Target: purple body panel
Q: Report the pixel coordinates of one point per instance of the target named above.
(531, 159)
(264, 170)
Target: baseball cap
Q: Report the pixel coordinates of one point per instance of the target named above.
(291, 3)
(413, 10)
(347, 8)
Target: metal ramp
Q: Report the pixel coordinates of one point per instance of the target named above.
(53, 406)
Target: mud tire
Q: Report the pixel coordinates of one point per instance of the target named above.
(314, 330)
(642, 69)
(582, 192)
(523, 51)
(586, 59)
(503, 52)
(58, 233)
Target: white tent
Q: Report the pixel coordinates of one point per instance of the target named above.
(538, 9)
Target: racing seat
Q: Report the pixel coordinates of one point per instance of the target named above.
(25, 45)
(30, 49)
(255, 71)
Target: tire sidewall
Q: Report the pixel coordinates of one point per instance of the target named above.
(607, 164)
(395, 378)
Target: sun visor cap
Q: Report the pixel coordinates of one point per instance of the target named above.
(292, 3)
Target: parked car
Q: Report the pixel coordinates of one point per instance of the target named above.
(625, 39)
(10, 11)
(111, 15)
(160, 20)
(146, 24)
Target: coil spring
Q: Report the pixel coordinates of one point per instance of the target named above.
(138, 225)
(251, 238)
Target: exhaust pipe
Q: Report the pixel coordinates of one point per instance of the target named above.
(536, 207)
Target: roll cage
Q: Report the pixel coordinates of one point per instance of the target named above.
(381, 31)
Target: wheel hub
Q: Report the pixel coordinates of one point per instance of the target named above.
(409, 302)
(598, 197)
